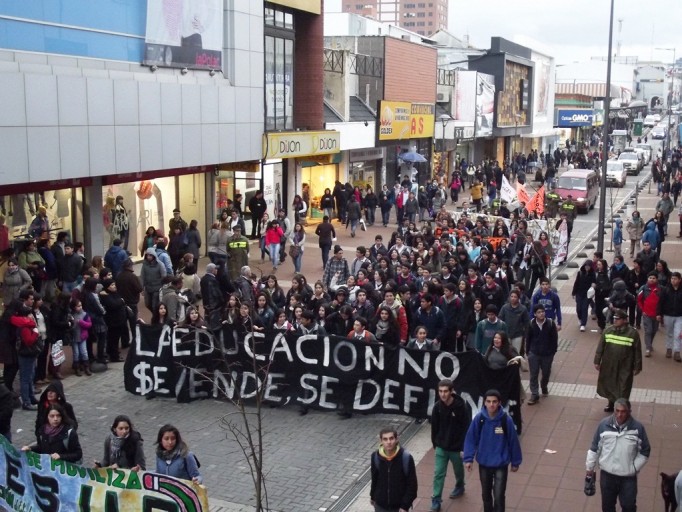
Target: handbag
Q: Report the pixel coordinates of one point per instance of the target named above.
(294, 251)
(57, 352)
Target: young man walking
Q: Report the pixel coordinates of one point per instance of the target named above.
(450, 420)
(394, 476)
(492, 440)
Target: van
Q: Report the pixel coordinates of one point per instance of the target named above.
(582, 185)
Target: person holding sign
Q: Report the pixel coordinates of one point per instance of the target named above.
(57, 437)
(123, 448)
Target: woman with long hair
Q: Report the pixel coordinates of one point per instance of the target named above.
(275, 292)
(57, 437)
(385, 327)
(297, 245)
(123, 448)
(173, 457)
(232, 309)
(193, 318)
(264, 310)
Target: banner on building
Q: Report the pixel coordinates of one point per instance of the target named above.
(184, 34)
(31, 481)
(325, 373)
(465, 96)
(485, 104)
(403, 120)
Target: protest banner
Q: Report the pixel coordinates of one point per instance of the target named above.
(33, 481)
(320, 372)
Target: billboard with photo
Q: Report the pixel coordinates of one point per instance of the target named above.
(543, 91)
(465, 96)
(184, 34)
(485, 104)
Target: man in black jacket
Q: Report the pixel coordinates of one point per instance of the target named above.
(257, 205)
(543, 339)
(212, 297)
(394, 475)
(450, 420)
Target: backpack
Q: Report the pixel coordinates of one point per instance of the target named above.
(405, 457)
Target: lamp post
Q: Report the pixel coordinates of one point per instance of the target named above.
(666, 147)
(444, 120)
(605, 140)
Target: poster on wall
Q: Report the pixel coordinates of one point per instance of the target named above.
(542, 87)
(485, 104)
(184, 34)
(465, 96)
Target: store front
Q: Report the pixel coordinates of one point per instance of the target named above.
(134, 203)
(306, 162)
(234, 185)
(41, 210)
(365, 167)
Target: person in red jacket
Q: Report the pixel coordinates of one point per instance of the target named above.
(28, 349)
(647, 301)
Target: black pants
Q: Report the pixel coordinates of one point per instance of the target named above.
(493, 487)
(621, 488)
(9, 374)
(115, 335)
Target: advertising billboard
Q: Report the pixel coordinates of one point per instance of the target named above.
(184, 34)
(403, 120)
(465, 96)
(574, 117)
(485, 104)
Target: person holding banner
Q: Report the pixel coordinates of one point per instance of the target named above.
(57, 437)
(123, 448)
(173, 457)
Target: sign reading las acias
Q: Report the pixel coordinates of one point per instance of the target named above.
(299, 144)
(402, 120)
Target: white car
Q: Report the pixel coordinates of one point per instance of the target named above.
(657, 117)
(641, 152)
(649, 121)
(648, 151)
(616, 174)
(658, 132)
(632, 161)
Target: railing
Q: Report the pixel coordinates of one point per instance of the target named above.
(364, 65)
(446, 77)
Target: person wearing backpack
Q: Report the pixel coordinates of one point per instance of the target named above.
(173, 457)
(394, 475)
(450, 420)
(492, 440)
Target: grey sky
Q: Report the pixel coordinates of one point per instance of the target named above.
(572, 30)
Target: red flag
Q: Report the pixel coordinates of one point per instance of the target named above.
(521, 193)
(537, 204)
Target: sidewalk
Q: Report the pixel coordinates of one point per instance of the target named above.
(558, 430)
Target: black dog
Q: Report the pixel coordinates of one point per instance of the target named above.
(668, 491)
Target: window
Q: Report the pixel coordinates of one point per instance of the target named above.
(421, 6)
(421, 24)
(279, 69)
(421, 15)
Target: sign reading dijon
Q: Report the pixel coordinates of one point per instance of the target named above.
(300, 144)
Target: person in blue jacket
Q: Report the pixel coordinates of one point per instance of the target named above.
(173, 458)
(493, 441)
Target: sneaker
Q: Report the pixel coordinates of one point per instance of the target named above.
(435, 504)
(457, 492)
(545, 391)
(648, 353)
(29, 407)
(533, 400)
(582, 328)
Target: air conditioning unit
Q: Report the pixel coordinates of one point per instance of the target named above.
(442, 97)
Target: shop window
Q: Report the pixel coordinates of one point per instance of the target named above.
(317, 179)
(279, 69)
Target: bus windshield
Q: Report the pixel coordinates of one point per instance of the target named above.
(567, 183)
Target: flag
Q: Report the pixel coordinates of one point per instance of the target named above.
(507, 192)
(521, 193)
(537, 204)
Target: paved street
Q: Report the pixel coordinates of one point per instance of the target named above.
(319, 462)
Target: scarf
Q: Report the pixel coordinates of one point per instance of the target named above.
(115, 445)
(180, 450)
(51, 431)
(381, 329)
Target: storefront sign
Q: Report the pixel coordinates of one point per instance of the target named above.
(422, 119)
(312, 6)
(240, 166)
(32, 481)
(362, 155)
(575, 117)
(298, 144)
(464, 132)
(320, 372)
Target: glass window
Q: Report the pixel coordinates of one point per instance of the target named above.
(269, 16)
(288, 21)
(279, 19)
(279, 68)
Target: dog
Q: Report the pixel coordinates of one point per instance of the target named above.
(668, 491)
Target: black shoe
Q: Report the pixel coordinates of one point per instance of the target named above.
(303, 411)
(609, 408)
(116, 359)
(545, 392)
(533, 400)
(345, 415)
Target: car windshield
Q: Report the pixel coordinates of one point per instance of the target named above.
(572, 183)
(628, 156)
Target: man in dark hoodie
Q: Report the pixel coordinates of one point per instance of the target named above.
(394, 476)
(450, 420)
(53, 394)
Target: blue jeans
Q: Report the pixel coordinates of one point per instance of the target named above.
(493, 487)
(622, 488)
(582, 306)
(80, 351)
(370, 215)
(539, 364)
(354, 226)
(297, 262)
(385, 214)
(329, 212)
(27, 371)
(274, 254)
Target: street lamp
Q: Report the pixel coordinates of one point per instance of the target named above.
(444, 120)
(666, 147)
(605, 140)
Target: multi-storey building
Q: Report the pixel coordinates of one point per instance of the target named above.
(424, 18)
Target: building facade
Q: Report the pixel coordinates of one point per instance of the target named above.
(424, 18)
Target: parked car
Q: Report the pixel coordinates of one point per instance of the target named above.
(658, 132)
(657, 117)
(616, 174)
(632, 161)
(649, 121)
(648, 151)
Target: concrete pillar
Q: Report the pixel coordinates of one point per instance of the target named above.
(93, 228)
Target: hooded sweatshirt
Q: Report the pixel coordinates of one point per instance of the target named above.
(152, 272)
(44, 403)
(492, 444)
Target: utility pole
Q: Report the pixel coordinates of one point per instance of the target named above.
(605, 138)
